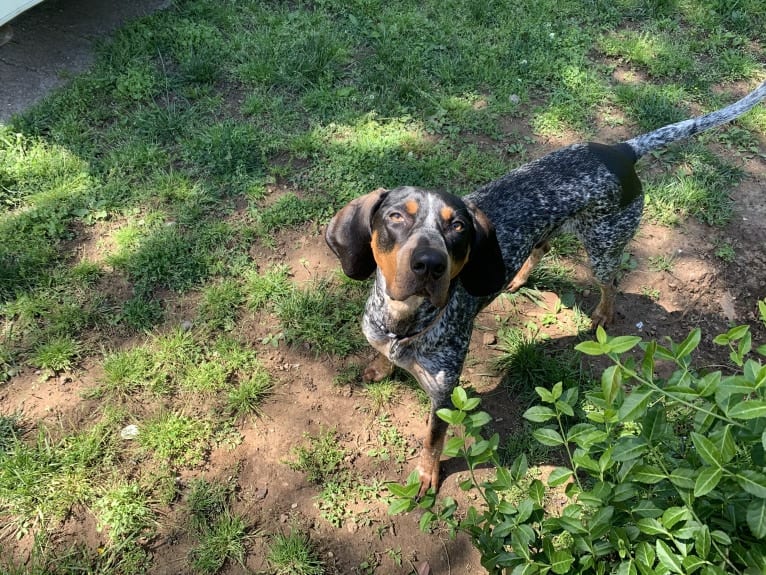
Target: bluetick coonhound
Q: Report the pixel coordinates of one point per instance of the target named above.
(440, 259)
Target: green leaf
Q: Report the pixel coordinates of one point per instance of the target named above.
(754, 482)
(673, 515)
(611, 378)
(682, 477)
(585, 435)
(565, 408)
(706, 449)
(591, 348)
(453, 446)
(478, 448)
(623, 343)
(545, 394)
(756, 517)
(401, 505)
(471, 403)
(647, 474)
(708, 384)
(601, 336)
(651, 526)
(691, 563)
(626, 568)
(557, 390)
(702, 541)
(525, 509)
(748, 409)
(645, 554)
(561, 561)
(519, 467)
(537, 492)
(571, 525)
(459, 397)
(479, 419)
(558, 476)
(549, 437)
(628, 448)
(726, 444)
(689, 344)
(426, 519)
(451, 416)
(667, 558)
(539, 414)
(635, 403)
(707, 480)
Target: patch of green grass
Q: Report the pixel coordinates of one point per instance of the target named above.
(246, 399)
(10, 430)
(127, 372)
(390, 444)
(661, 263)
(650, 106)
(224, 540)
(220, 304)
(123, 512)
(381, 394)
(41, 481)
(324, 317)
(222, 534)
(700, 185)
(294, 554)
(176, 439)
(527, 362)
(320, 458)
(267, 287)
(57, 354)
(141, 313)
(725, 251)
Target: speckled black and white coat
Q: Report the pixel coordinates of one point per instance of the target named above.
(588, 189)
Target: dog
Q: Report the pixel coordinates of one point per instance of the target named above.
(438, 259)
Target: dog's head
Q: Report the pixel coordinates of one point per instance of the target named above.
(421, 240)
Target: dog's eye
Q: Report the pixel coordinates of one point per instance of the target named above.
(457, 226)
(395, 217)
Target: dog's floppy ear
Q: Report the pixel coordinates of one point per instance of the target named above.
(484, 272)
(349, 235)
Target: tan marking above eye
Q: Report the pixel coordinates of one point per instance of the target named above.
(447, 213)
(412, 207)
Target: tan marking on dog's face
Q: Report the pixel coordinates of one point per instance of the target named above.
(447, 213)
(411, 207)
(456, 265)
(386, 260)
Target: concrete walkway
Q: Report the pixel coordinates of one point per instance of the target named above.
(53, 41)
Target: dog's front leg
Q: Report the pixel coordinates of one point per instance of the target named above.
(433, 443)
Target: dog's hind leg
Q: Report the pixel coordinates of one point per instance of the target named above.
(534, 258)
(605, 239)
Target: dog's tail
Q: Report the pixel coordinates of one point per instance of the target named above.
(680, 130)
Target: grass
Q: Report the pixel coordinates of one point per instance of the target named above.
(320, 458)
(149, 212)
(294, 554)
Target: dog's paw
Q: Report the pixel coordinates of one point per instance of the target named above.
(515, 285)
(602, 317)
(378, 370)
(428, 470)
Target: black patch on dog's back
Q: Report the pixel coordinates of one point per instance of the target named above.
(620, 159)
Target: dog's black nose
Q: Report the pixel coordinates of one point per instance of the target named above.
(428, 263)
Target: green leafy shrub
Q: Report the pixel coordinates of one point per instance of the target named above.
(664, 475)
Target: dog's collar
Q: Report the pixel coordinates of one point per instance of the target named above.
(406, 338)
